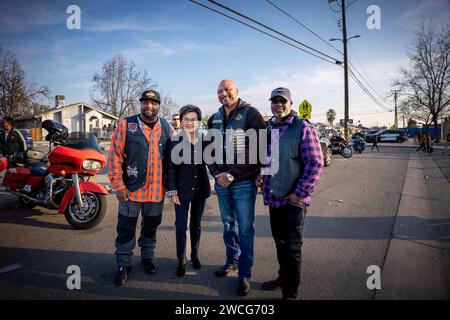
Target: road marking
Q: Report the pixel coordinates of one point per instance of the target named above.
(10, 268)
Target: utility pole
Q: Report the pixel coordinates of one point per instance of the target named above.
(395, 113)
(344, 40)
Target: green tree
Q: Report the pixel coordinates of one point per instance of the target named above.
(331, 116)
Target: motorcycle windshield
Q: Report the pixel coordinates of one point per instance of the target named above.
(82, 141)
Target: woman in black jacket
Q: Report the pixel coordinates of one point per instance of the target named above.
(188, 183)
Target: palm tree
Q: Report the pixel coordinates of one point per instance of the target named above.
(331, 116)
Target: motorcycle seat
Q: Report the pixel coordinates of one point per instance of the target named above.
(39, 168)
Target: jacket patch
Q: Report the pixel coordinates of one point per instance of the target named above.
(132, 127)
(132, 172)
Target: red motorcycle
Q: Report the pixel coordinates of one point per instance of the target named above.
(60, 179)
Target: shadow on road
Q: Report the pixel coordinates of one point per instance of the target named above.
(29, 217)
(44, 276)
(316, 227)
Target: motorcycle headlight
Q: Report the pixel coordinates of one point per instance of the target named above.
(91, 165)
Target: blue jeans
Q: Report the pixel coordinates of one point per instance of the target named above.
(237, 211)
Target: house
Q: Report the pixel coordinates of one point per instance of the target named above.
(78, 116)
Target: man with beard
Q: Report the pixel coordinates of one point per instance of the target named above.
(288, 191)
(136, 171)
(234, 182)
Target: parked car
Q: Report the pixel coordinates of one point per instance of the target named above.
(387, 136)
(326, 148)
(28, 139)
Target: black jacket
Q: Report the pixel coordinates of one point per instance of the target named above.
(254, 120)
(190, 180)
(14, 143)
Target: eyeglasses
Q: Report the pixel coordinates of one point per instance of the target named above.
(189, 120)
(279, 100)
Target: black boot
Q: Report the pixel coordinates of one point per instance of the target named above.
(181, 269)
(196, 262)
(273, 284)
(122, 275)
(243, 286)
(149, 266)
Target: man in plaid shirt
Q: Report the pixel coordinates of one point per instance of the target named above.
(135, 161)
(288, 191)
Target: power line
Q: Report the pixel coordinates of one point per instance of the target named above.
(298, 22)
(273, 30)
(354, 77)
(264, 32)
(326, 42)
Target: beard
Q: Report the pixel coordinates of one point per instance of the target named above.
(148, 114)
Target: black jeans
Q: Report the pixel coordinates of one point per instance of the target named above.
(287, 227)
(182, 212)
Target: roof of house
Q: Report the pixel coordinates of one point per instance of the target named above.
(77, 104)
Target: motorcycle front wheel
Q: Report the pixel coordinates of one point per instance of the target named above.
(92, 213)
(347, 152)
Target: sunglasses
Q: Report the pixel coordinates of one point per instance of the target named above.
(279, 100)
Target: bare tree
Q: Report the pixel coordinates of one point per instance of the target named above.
(120, 86)
(425, 85)
(17, 97)
(331, 116)
(168, 105)
(412, 110)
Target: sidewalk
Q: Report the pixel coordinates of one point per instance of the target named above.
(407, 144)
(418, 257)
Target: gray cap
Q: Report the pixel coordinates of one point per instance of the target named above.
(281, 92)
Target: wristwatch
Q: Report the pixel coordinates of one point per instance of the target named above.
(230, 177)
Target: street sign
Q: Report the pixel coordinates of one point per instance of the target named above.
(341, 122)
(304, 109)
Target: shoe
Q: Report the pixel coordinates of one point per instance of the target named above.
(243, 286)
(149, 267)
(272, 284)
(289, 294)
(122, 275)
(225, 270)
(181, 269)
(196, 263)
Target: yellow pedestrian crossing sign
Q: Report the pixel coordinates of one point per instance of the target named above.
(304, 110)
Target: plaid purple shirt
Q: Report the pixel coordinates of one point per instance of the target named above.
(312, 156)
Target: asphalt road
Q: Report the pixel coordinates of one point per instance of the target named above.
(348, 228)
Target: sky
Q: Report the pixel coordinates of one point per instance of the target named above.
(187, 49)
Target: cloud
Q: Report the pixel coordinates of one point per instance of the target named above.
(152, 48)
(322, 87)
(14, 18)
(438, 10)
(133, 23)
